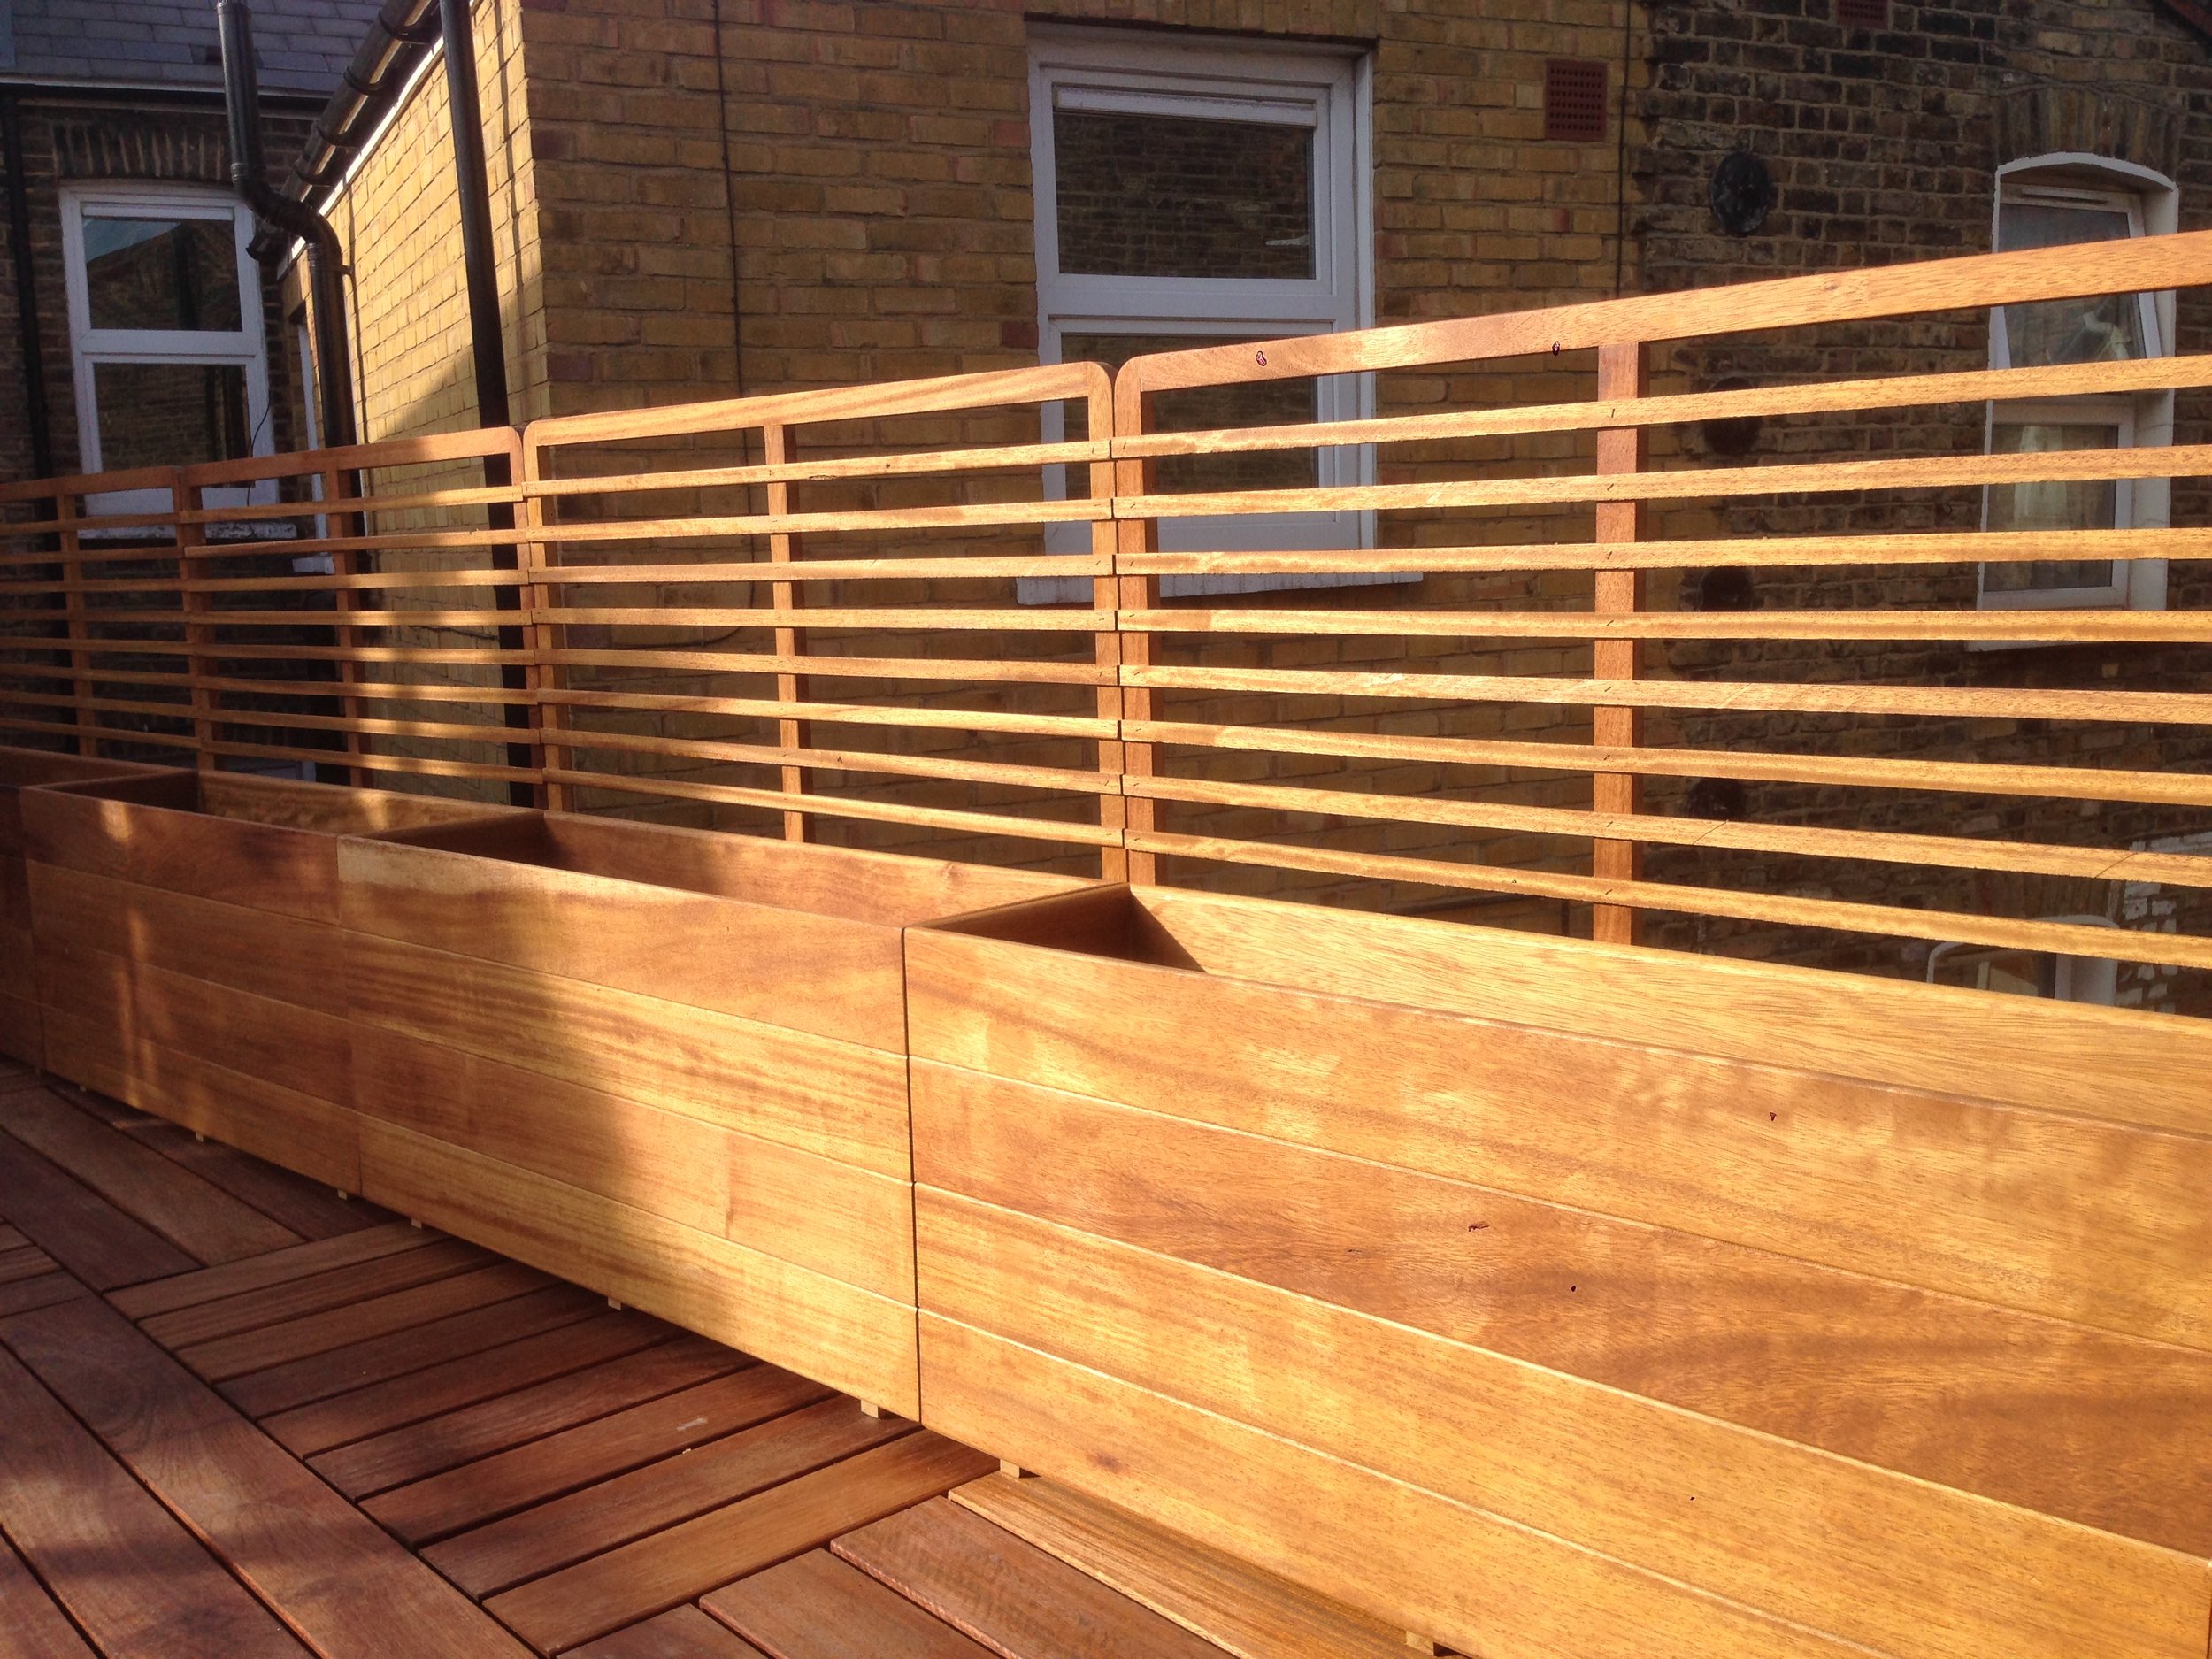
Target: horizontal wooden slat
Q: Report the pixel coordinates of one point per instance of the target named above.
(806, 1321)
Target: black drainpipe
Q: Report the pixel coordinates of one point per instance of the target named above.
(36, 414)
(486, 340)
(326, 257)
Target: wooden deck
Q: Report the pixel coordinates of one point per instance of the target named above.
(242, 1416)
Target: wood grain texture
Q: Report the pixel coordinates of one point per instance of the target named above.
(509, 1478)
(301, 1261)
(307, 1134)
(835, 1099)
(610, 921)
(817, 1607)
(470, 1407)
(2091, 1223)
(377, 1359)
(130, 1576)
(1906, 1567)
(348, 1589)
(32, 1627)
(662, 1494)
(1255, 1495)
(800, 1206)
(593, 1597)
(200, 1219)
(1007, 1592)
(303, 1336)
(246, 947)
(83, 1232)
(682, 1632)
(295, 1298)
(1249, 1613)
(310, 1208)
(301, 1050)
(822, 1327)
(2108, 1431)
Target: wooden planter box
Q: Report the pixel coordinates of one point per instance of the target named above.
(22, 768)
(189, 957)
(1540, 1296)
(666, 1063)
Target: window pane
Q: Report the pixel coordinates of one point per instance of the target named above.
(2075, 504)
(2068, 330)
(1206, 409)
(170, 414)
(1173, 196)
(162, 273)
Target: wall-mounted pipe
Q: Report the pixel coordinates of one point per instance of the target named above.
(36, 415)
(325, 256)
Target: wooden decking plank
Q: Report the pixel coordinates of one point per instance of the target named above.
(1251, 1613)
(614, 1512)
(25, 1262)
(352, 1322)
(130, 1578)
(203, 1221)
(32, 1624)
(378, 1438)
(27, 1294)
(296, 1298)
(683, 1633)
(378, 1359)
(308, 1207)
(817, 1607)
(563, 1461)
(349, 1590)
(9, 1239)
(1009, 1595)
(79, 1228)
(593, 1597)
(318, 1256)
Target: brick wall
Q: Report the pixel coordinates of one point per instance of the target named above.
(1883, 145)
(67, 140)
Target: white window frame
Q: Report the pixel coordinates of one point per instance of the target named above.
(2092, 979)
(89, 347)
(1327, 89)
(2152, 205)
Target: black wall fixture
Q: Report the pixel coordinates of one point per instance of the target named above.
(1742, 192)
(1723, 587)
(1732, 435)
(1722, 798)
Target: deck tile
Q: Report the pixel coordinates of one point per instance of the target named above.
(77, 1227)
(415, 1426)
(352, 1591)
(202, 1220)
(402, 1352)
(600, 1450)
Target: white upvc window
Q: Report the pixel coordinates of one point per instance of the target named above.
(2057, 201)
(165, 332)
(1193, 190)
(2043, 973)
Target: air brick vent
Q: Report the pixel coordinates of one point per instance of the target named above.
(1574, 100)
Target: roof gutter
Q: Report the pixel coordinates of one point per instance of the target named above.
(325, 256)
(396, 43)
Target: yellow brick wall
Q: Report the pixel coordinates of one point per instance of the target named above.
(400, 220)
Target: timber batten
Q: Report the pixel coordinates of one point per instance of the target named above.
(1530, 1294)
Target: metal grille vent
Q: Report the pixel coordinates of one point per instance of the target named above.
(1864, 13)
(1574, 100)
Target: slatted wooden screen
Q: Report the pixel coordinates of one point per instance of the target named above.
(1481, 727)
(1655, 614)
(804, 614)
(336, 612)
